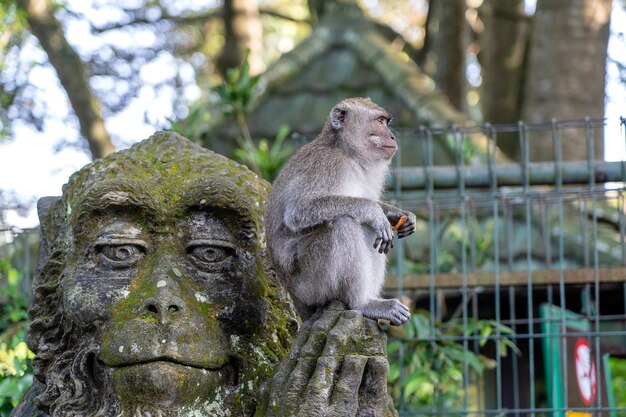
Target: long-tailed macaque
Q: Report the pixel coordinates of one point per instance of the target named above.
(327, 231)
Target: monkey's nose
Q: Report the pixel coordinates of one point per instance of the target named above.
(168, 306)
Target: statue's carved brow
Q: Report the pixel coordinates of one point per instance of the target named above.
(103, 197)
(212, 193)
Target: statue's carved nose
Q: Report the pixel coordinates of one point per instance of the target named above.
(164, 307)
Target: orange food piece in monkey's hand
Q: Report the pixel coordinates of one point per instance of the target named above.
(400, 223)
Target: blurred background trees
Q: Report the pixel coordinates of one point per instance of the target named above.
(498, 61)
(71, 71)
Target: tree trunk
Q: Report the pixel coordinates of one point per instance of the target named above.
(71, 72)
(445, 42)
(566, 71)
(242, 31)
(503, 46)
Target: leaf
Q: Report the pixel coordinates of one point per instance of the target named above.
(393, 346)
(419, 385)
(422, 326)
(18, 315)
(17, 366)
(21, 351)
(475, 363)
(244, 79)
(484, 335)
(488, 362)
(232, 78)
(504, 343)
(394, 372)
(22, 385)
(7, 387)
(455, 374)
(13, 277)
(278, 150)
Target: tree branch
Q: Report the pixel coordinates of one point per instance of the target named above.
(71, 72)
(279, 15)
(142, 20)
(391, 35)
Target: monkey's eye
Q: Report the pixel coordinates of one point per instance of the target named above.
(382, 120)
(210, 253)
(120, 254)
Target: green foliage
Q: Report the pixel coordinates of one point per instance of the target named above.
(236, 94)
(16, 372)
(237, 91)
(618, 374)
(475, 238)
(433, 368)
(267, 158)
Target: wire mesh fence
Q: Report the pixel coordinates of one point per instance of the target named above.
(516, 273)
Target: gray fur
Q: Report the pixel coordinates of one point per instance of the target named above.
(327, 232)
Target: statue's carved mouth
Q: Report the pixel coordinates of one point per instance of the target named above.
(205, 367)
(226, 371)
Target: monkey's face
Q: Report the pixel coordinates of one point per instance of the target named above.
(363, 127)
(171, 295)
(154, 294)
(381, 139)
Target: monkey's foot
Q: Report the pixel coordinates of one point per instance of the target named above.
(392, 310)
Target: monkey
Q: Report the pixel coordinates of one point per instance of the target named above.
(327, 232)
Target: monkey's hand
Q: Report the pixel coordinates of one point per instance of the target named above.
(382, 228)
(337, 367)
(394, 214)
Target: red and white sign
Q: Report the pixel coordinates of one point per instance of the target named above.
(585, 371)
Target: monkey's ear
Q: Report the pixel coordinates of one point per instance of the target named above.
(337, 118)
(46, 224)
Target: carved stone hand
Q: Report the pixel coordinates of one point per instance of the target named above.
(337, 367)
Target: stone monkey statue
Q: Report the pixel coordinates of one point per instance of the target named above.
(327, 231)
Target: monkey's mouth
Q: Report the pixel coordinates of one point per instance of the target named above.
(227, 372)
(173, 361)
(167, 381)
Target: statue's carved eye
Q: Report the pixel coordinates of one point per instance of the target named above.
(121, 255)
(209, 252)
